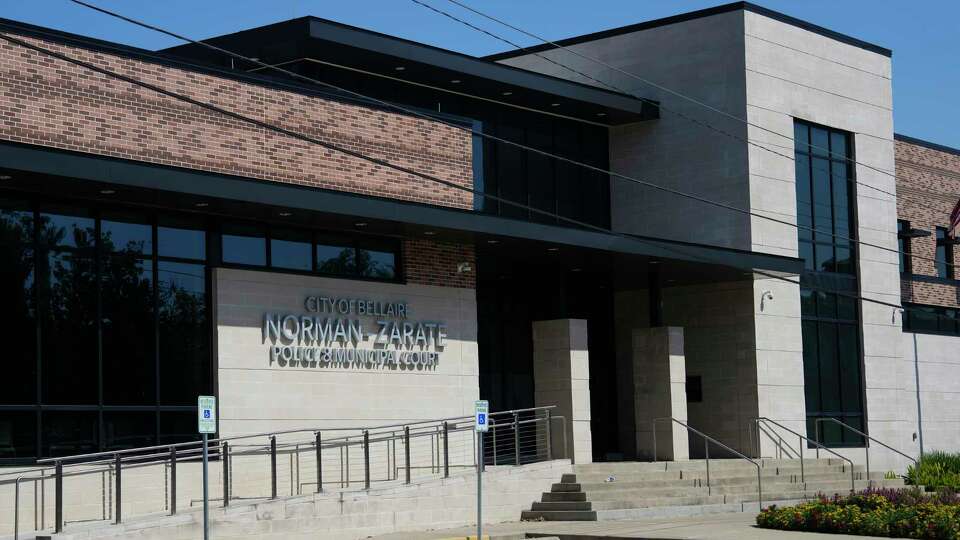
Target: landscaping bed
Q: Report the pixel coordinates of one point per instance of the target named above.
(898, 513)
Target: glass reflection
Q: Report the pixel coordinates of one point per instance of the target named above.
(184, 334)
(336, 260)
(127, 330)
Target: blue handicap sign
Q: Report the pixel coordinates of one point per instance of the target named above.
(206, 413)
(481, 418)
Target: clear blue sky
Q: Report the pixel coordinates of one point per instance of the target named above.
(924, 34)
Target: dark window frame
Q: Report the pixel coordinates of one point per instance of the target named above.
(947, 321)
(904, 247)
(354, 241)
(99, 211)
(943, 254)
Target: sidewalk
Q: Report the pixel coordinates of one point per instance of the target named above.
(739, 526)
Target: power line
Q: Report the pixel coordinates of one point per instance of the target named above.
(387, 164)
(763, 146)
(473, 132)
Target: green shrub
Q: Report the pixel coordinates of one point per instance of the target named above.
(905, 513)
(936, 470)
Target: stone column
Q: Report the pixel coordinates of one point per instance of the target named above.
(561, 377)
(660, 375)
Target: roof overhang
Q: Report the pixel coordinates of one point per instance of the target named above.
(334, 44)
(81, 175)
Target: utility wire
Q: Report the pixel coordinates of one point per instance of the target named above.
(400, 168)
(628, 74)
(764, 146)
(454, 125)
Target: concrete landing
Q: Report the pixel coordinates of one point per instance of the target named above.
(738, 526)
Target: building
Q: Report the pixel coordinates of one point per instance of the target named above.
(156, 249)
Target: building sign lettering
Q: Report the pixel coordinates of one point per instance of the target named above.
(353, 333)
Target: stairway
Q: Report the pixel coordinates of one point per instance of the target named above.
(633, 490)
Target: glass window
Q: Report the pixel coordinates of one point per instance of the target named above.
(335, 259)
(18, 324)
(903, 246)
(68, 327)
(16, 223)
(18, 435)
(123, 430)
(184, 243)
(126, 237)
(184, 333)
(244, 244)
(69, 433)
(291, 250)
(72, 231)
(178, 427)
(931, 319)
(127, 331)
(376, 264)
(944, 254)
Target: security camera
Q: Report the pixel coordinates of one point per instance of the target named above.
(766, 295)
(464, 267)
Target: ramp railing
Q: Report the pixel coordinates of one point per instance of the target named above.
(867, 440)
(115, 485)
(707, 441)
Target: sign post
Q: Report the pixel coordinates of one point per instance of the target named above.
(481, 417)
(206, 424)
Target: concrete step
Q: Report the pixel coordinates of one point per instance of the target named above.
(723, 482)
(558, 515)
(697, 465)
(589, 476)
(837, 486)
(562, 496)
(568, 479)
(669, 478)
(564, 488)
(562, 505)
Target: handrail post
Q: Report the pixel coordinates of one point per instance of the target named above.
(866, 449)
(58, 498)
(225, 457)
(366, 459)
(816, 434)
(760, 487)
(493, 429)
(406, 452)
(319, 465)
(549, 436)
(446, 450)
(173, 480)
(273, 466)
(706, 452)
(117, 465)
(516, 438)
(803, 478)
(16, 508)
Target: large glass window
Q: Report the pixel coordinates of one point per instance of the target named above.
(903, 246)
(830, 326)
(944, 254)
(97, 304)
(931, 319)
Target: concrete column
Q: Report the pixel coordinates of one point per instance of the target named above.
(660, 377)
(561, 377)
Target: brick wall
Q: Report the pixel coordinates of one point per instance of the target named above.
(52, 103)
(435, 263)
(928, 187)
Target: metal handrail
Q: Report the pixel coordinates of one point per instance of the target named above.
(756, 421)
(866, 448)
(132, 458)
(706, 448)
(214, 442)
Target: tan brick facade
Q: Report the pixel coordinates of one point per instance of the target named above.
(928, 187)
(51, 103)
(436, 263)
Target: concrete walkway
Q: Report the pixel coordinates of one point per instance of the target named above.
(739, 526)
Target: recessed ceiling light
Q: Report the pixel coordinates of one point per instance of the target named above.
(107, 192)
(429, 233)
(5, 177)
(491, 241)
(575, 269)
(554, 104)
(360, 224)
(654, 262)
(286, 214)
(601, 114)
(508, 93)
(202, 205)
(455, 81)
(399, 68)
(553, 249)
